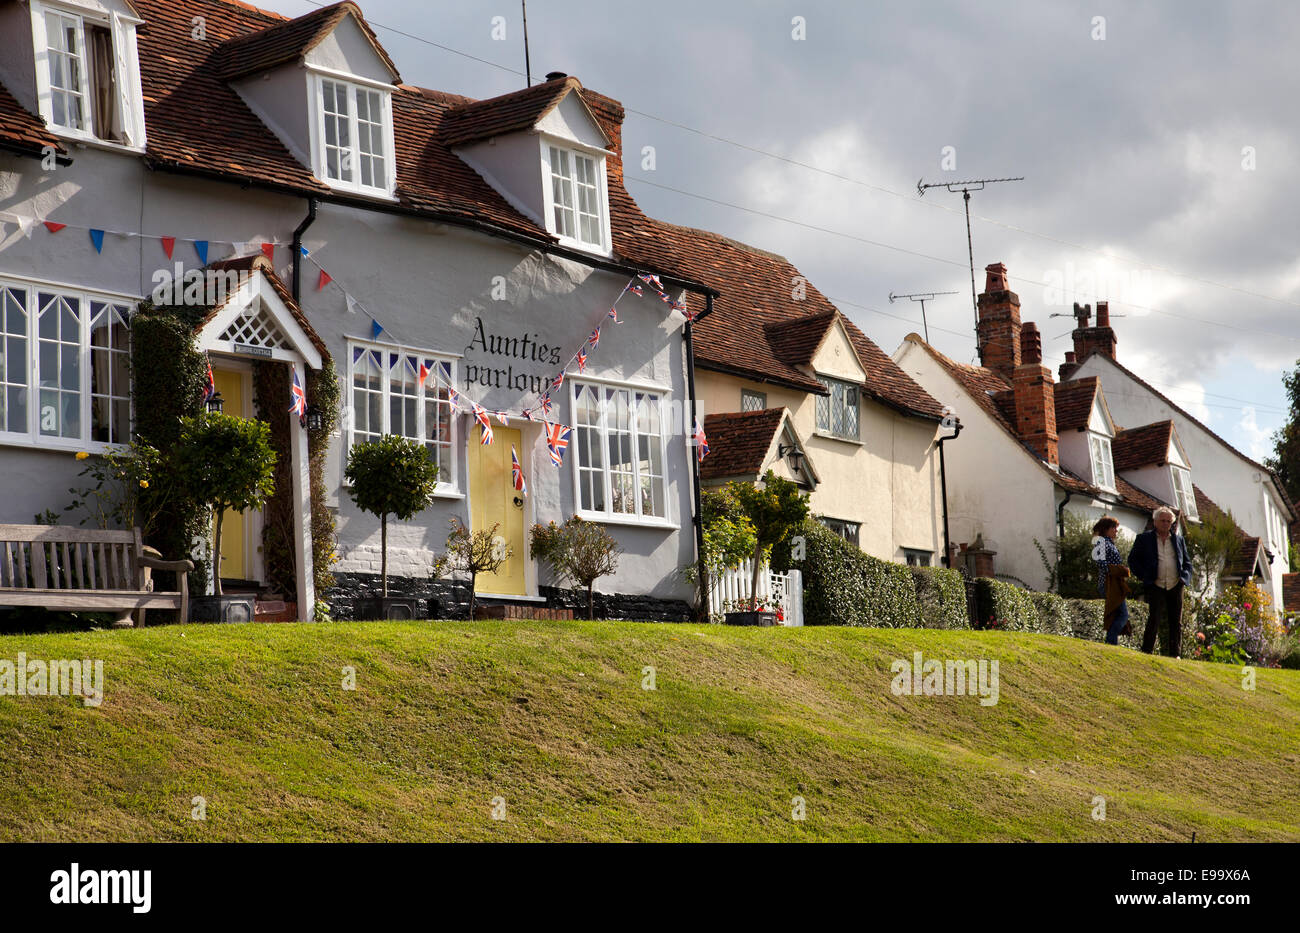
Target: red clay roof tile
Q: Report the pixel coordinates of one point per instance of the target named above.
(739, 442)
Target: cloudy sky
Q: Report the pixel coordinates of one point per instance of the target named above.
(1139, 184)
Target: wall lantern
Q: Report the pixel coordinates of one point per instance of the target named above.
(794, 454)
(216, 403)
(314, 420)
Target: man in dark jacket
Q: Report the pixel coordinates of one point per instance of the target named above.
(1159, 559)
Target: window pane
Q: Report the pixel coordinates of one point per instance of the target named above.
(14, 376)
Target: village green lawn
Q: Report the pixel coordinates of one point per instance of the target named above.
(552, 718)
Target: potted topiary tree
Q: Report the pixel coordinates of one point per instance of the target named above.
(226, 463)
(578, 551)
(774, 510)
(390, 476)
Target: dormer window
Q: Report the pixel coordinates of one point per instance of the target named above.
(577, 195)
(354, 137)
(1103, 465)
(1184, 494)
(88, 73)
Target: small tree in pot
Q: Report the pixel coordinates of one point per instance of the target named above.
(472, 553)
(227, 463)
(577, 551)
(390, 476)
(774, 509)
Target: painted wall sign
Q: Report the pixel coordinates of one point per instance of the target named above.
(535, 367)
(247, 349)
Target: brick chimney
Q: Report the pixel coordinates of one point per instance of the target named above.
(1099, 339)
(998, 329)
(1069, 366)
(1035, 397)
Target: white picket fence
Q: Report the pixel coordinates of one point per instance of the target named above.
(733, 586)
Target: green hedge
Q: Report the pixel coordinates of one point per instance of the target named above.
(843, 586)
(942, 595)
(1005, 606)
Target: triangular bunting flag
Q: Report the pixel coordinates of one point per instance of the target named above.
(352, 303)
(375, 329)
(25, 225)
(201, 247)
(304, 250)
(323, 281)
(268, 250)
(168, 244)
(97, 238)
(53, 227)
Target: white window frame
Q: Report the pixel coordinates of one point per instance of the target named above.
(316, 79)
(608, 515)
(829, 382)
(758, 396)
(126, 65)
(1100, 454)
(1184, 493)
(33, 437)
(602, 195)
(450, 487)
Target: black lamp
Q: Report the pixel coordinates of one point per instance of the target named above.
(215, 403)
(794, 453)
(315, 419)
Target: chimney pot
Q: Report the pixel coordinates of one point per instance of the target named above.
(995, 278)
(998, 327)
(1103, 314)
(555, 75)
(1069, 357)
(1031, 344)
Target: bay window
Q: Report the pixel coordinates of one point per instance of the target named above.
(619, 447)
(837, 413)
(64, 367)
(388, 397)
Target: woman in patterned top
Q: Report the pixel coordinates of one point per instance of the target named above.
(1111, 575)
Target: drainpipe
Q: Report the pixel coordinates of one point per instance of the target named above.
(297, 245)
(700, 569)
(1060, 514)
(943, 486)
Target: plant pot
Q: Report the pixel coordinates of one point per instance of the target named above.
(380, 608)
(750, 618)
(238, 608)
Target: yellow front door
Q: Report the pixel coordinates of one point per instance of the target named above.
(234, 560)
(494, 501)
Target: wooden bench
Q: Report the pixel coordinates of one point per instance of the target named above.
(77, 569)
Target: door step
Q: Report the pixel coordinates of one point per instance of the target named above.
(522, 611)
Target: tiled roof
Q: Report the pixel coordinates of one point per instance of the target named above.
(1174, 407)
(289, 41)
(739, 442)
(1147, 445)
(1242, 562)
(996, 399)
(509, 113)
(259, 263)
(1291, 592)
(1074, 401)
(796, 340)
(22, 131)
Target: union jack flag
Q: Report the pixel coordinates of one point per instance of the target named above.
(485, 436)
(557, 381)
(701, 442)
(582, 360)
(528, 414)
(481, 416)
(209, 387)
(517, 472)
(557, 440)
(634, 289)
(651, 280)
(299, 397)
(594, 339)
(613, 312)
(454, 397)
(544, 404)
(504, 419)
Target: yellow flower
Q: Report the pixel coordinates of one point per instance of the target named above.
(144, 484)
(82, 455)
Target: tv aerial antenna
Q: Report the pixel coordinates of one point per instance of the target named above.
(966, 187)
(921, 297)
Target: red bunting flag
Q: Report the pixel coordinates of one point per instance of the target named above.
(323, 280)
(53, 227)
(168, 244)
(268, 250)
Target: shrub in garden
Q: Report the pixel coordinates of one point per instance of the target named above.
(775, 510)
(1005, 606)
(577, 551)
(843, 586)
(390, 476)
(472, 553)
(226, 463)
(941, 593)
